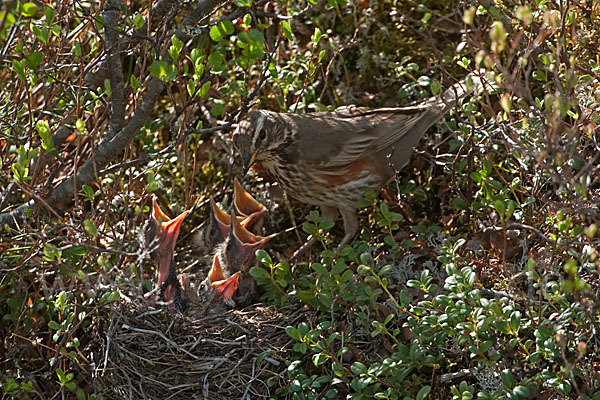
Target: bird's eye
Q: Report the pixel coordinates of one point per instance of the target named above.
(262, 135)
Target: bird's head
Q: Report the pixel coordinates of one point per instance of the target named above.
(217, 290)
(257, 137)
(241, 245)
(219, 223)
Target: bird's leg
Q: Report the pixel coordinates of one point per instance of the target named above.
(329, 213)
(350, 225)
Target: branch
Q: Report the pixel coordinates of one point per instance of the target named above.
(115, 67)
(110, 147)
(95, 77)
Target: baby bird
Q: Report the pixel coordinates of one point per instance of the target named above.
(160, 235)
(228, 283)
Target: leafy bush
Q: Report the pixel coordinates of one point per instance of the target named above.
(475, 274)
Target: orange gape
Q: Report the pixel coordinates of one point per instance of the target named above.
(225, 287)
(161, 233)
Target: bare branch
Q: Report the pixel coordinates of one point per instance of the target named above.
(115, 67)
(110, 147)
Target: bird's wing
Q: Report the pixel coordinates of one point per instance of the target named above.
(336, 139)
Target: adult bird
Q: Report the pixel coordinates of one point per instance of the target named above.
(331, 159)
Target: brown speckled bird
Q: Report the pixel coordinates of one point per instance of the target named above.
(330, 159)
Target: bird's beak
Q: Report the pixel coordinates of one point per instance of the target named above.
(225, 287)
(245, 243)
(158, 214)
(244, 203)
(168, 233)
(221, 217)
(248, 161)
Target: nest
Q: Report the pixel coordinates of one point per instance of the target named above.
(153, 354)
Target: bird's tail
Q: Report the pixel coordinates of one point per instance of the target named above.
(472, 83)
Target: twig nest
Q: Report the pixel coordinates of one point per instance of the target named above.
(156, 354)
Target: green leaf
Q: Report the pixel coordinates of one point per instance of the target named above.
(499, 207)
(191, 87)
(43, 129)
(412, 283)
(162, 70)
(110, 297)
(320, 358)
(522, 391)
(43, 33)
(222, 29)
(204, 89)
(316, 37)
(28, 9)
(363, 269)
(175, 48)
(263, 257)
(385, 211)
(486, 345)
(386, 269)
(215, 33)
(293, 333)
(19, 68)
(306, 295)
(325, 300)
(256, 36)
(138, 20)
(326, 225)
(243, 3)
(508, 379)
(319, 268)
(404, 298)
(260, 274)
(338, 268)
(321, 55)
(423, 393)
(90, 228)
(310, 228)
(54, 325)
(246, 21)
(515, 321)
(152, 185)
(358, 368)
(34, 59)
(459, 203)
(287, 30)
(80, 126)
(216, 60)
(218, 109)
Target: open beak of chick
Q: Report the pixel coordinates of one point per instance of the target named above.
(167, 231)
